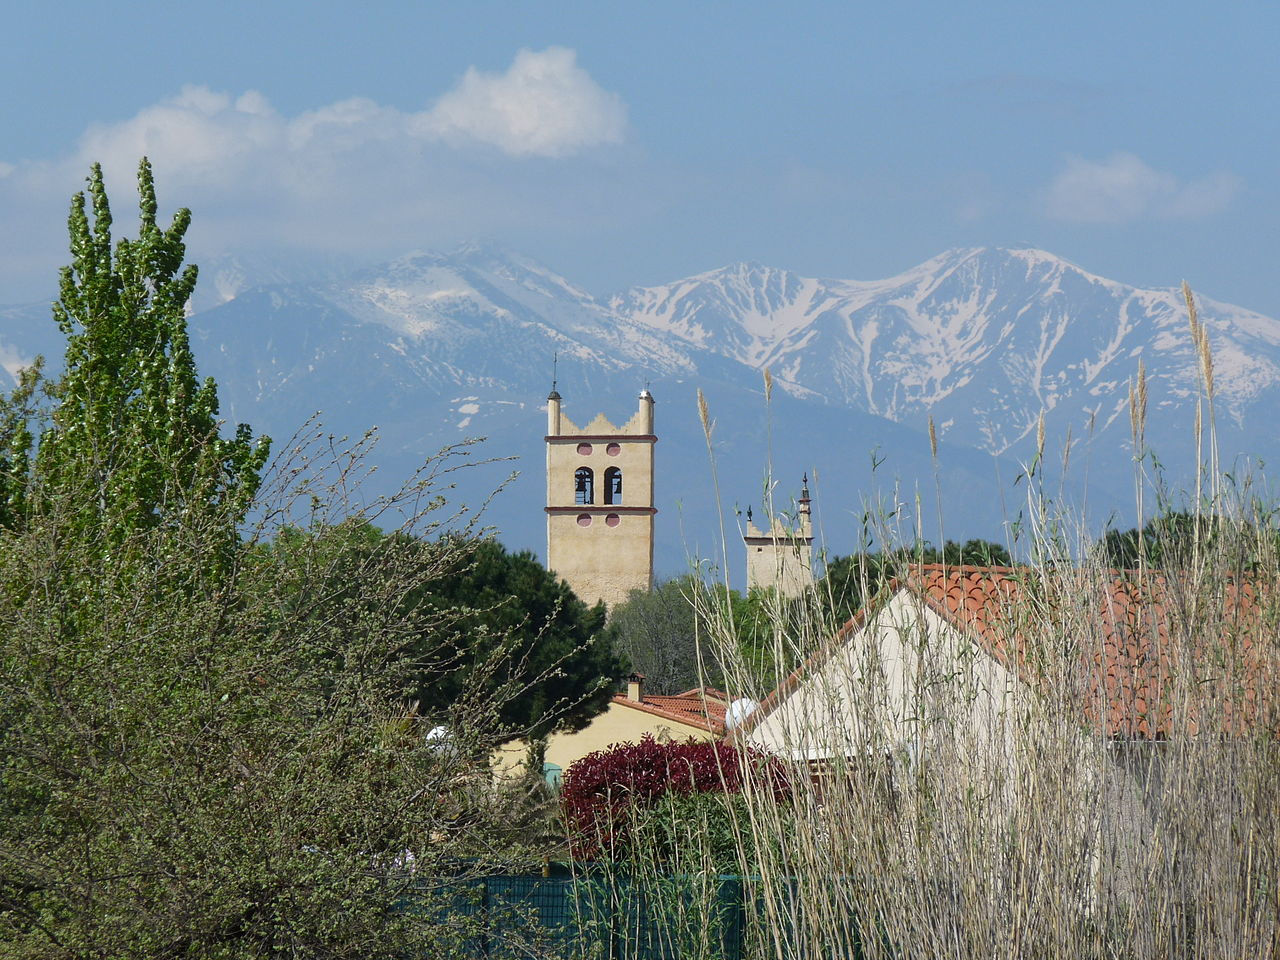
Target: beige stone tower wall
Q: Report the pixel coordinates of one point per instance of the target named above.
(603, 550)
(781, 557)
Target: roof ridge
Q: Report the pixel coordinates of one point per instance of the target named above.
(972, 604)
(970, 567)
(701, 692)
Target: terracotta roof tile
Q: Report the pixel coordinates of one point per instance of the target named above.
(703, 708)
(1132, 637)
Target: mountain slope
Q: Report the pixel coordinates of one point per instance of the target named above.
(433, 348)
(982, 339)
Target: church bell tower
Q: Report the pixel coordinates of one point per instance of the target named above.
(600, 502)
(781, 557)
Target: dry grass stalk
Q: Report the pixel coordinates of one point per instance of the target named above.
(1038, 831)
(931, 837)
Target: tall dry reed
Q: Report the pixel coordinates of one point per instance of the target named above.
(1103, 781)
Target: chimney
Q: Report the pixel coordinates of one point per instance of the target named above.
(635, 688)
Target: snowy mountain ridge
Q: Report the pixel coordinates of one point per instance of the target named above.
(436, 347)
(984, 339)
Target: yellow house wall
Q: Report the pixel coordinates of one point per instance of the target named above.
(618, 724)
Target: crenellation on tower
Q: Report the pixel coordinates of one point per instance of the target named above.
(600, 502)
(555, 420)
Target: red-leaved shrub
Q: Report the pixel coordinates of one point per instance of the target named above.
(602, 792)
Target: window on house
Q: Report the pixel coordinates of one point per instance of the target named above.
(613, 485)
(584, 485)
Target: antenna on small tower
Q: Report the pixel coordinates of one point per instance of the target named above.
(555, 365)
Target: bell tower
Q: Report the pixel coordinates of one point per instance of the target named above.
(781, 557)
(600, 502)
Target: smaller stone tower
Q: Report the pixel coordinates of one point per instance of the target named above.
(600, 502)
(782, 556)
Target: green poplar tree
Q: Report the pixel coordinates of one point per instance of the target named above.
(134, 432)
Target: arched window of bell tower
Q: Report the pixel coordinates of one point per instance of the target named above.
(613, 486)
(584, 486)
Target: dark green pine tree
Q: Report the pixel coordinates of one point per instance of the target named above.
(545, 659)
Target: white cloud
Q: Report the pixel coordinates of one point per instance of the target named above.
(351, 177)
(1123, 188)
(201, 132)
(544, 105)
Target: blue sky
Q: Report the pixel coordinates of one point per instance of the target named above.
(637, 143)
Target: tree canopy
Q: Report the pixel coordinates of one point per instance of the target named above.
(206, 748)
(658, 633)
(548, 660)
(134, 432)
(1166, 540)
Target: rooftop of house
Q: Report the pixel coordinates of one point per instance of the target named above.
(1129, 637)
(701, 707)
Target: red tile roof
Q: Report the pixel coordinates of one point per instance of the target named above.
(1136, 645)
(702, 707)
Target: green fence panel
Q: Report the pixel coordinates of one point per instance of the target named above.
(601, 915)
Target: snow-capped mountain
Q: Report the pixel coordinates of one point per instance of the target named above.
(983, 339)
(433, 348)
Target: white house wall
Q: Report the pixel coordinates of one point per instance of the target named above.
(910, 685)
(903, 679)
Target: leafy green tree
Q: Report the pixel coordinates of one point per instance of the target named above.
(543, 658)
(1166, 540)
(981, 553)
(205, 749)
(680, 634)
(498, 627)
(658, 633)
(769, 630)
(135, 432)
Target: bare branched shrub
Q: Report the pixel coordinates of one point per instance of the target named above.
(225, 763)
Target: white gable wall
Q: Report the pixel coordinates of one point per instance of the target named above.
(910, 686)
(902, 681)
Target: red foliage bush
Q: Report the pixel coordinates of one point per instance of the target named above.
(601, 791)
